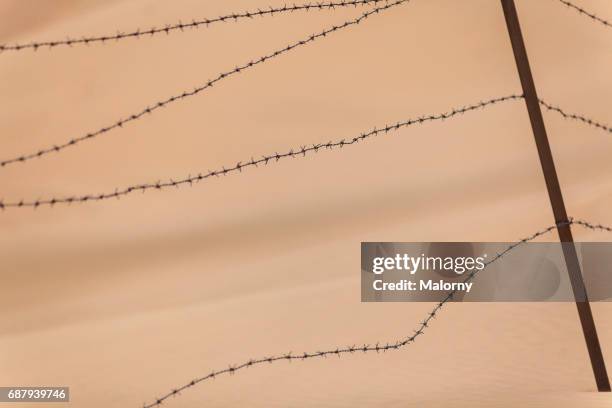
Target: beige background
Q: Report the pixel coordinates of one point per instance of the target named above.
(124, 300)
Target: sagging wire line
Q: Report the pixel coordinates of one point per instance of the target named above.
(163, 103)
(292, 153)
(586, 13)
(253, 162)
(579, 118)
(367, 348)
(181, 26)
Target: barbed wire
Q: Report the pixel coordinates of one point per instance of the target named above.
(199, 89)
(594, 227)
(584, 12)
(292, 153)
(264, 160)
(232, 17)
(579, 118)
(180, 26)
(366, 348)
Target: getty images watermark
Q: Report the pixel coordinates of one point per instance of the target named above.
(427, 272)
(412, 264)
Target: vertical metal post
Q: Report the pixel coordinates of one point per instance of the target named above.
(555, 195)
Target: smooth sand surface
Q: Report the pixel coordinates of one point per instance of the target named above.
(124, 300)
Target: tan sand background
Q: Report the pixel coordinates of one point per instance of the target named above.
(123, 300)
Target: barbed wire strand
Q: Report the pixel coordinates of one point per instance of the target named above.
(365, 348)
(293, 153)
(586, 13)
(199, 89)
(232, 17)
(264, 160)
(579, 118)
(591, 226)
(180, 26)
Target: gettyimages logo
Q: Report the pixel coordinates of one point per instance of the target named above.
(413, 264)
(426, 272)
(436, 267)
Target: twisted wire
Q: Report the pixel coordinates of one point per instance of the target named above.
(264, 160)
(586, 13)
(573, 116)
(199, 89)
(366, 348)
(180, 26)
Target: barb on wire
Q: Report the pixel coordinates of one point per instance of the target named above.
(586, 13)
(591, 226)
(264, 160)
(579, 118)
(365, 348)
(197, 90)
(181, 26)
